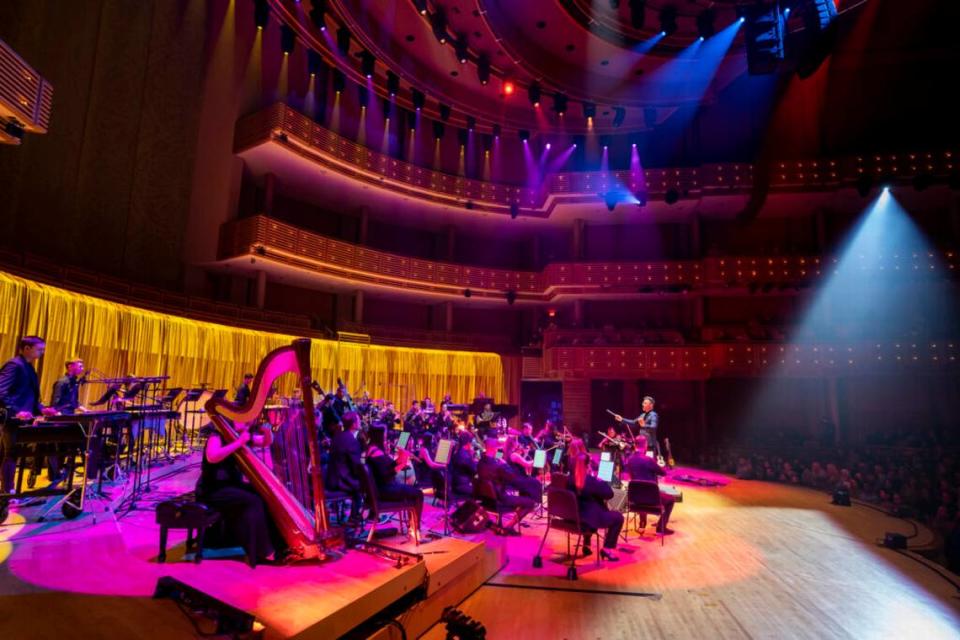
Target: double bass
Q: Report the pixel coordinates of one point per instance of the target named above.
(304, 527)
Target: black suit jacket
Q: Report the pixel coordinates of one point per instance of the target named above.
(344, 468)
(592, 501)
(640, 467)
(243, 393)
(19, 387)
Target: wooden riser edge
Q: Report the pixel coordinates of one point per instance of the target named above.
(422, 616)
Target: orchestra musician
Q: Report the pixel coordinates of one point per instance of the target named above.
(413, 420)
(389, 416)
(513, 455)
(525, 439)
(331, 420)
(642, 467)
(344, 466)
(223, 487)
(463, 467)
(484, 419)
(20, 400)
(592, 495)
(66, 390)
(243, 391)
(500, 475)
(384, 471)
(647, 421)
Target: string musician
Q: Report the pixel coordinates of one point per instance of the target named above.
(224, 488)
(384, 471)
(592, 495)
(514, 455)
(640, 466)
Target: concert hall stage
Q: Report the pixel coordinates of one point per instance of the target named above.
(748, 559)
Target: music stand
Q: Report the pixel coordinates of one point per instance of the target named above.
(444, 450)
(189, 400)
(107, 395)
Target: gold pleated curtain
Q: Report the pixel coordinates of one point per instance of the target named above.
(119, 340)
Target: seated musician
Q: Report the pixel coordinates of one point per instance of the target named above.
(463, 467)
(427, 468)
(20, 400)
(592, 495)
(223, 487)
(344, 466)
(513, 453)
(389, 417)
(413, 420)
(525, 439)
(384, 470)
(502, 477)
(640, 466)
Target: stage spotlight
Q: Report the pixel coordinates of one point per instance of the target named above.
(668, 20)
(533, 93)
(343, 40)
(486, 141)
(363, 96)
(524, 134)
(471, 123)
(672, 196)
(460, 46)
(483, 70)
(367, 63)
(418, 98)
(589, 110)
(462, 137)
(444, 112)
(314, 62)
(318, 13)
(638, 13)
(514, 210)
(509, 88)
(339, 81)
(288, 40)
(496, 131)
(705, 21)
(393, 83)
(261, 13)
(764, 36)
(421, 6)
(619, 115)
(560, 103)
(411, 120)
(438, 130)
(438, 23)
(387, 108)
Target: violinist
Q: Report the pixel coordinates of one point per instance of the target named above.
(513, 455)
(384, 471)
(592, 495)
(525, 439)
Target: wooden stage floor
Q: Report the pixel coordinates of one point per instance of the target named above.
(748, 560)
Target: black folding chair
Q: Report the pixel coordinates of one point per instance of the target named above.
(563, 513)
(643, 496)
(486, 493)
(405, 512)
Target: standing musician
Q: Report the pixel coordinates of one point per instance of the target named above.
(20, 398)
(66, 390)
(243, 391)
(648, 421)
(592, 495)
(331, 420)
(223, 487)
(641, 467)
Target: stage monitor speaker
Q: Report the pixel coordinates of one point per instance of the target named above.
(893, 540)
(229, 620)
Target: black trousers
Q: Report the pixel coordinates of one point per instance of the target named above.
(668, 502)
(612, 522)
(8, 464)
(245, 519)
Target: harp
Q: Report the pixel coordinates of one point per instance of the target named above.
(302, 522)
